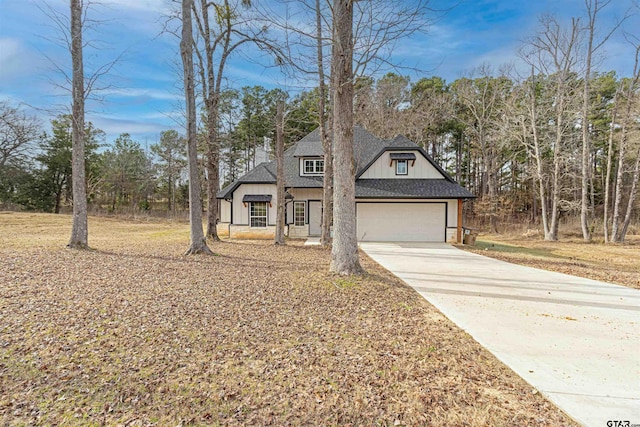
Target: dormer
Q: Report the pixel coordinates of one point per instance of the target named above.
(402, 162)
(310, 156)
(311, 166)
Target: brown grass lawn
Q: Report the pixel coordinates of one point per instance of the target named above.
(618, 263)
(134, 333)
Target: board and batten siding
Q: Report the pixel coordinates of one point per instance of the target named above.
(301, 195)
(421, 169)
(241, 212)
(225, 211)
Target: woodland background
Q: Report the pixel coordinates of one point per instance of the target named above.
(513, 138)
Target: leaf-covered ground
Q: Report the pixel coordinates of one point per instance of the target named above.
(613, 263)
(134, 333)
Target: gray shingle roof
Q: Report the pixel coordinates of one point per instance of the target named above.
(410, 188)
(264, 173)
(309, 146)
(401, 141)
(367, 148)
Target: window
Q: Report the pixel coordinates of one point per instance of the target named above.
(313, 166)
(402, 162)
(298, 213)
(401, 167)
(258, 214)
(308, 166)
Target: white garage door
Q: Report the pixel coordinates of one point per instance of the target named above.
(401, 222)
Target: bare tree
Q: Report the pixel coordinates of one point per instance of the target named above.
(483, 100)
(327, 143)
(593, 8)
(18, 133)
(223, 29)
(280, 179)
(533, 138)
(628, 128)
(553, 53)
(82, 88)
(344, 253)
(607, 182)
(79, 229)
(198, 244)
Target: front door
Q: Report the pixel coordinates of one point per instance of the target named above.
(315, 217)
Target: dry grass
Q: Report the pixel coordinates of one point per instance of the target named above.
(614, 263)
(133, 333)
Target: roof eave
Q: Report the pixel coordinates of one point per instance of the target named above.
(234, 187)
(448, 197)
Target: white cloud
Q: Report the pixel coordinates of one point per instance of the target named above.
(496, 58)
(156, 94)
(139, 128)
(148, 5)
(11, 54)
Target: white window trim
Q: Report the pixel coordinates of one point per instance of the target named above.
(265, 216)
(314, 165)
(304, 213)
(406, 167)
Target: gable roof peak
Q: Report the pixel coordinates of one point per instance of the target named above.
(402, 141)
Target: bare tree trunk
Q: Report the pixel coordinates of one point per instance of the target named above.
(492, 184)
(542, 192)
(619, 183)
(213, 170)
(280, 180)
(607, 182)
(211, 99)
(622, 233)
(327, 184)
(344, 253)
(541, 187)
(219, 38)
(584, 179)
(198, 244)
(555, 186)
(79, 230)
(619, 231)
(586, 145)
(553, 53)
(593, 8)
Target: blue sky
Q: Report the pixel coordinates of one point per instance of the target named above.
(143, 95)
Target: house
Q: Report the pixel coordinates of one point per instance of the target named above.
(401, 194)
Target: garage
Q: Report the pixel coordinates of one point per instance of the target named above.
(401, 222)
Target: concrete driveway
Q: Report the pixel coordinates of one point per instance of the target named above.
(575, 340)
